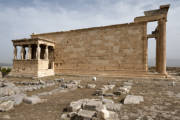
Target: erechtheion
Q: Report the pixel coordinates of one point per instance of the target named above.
(120, 49)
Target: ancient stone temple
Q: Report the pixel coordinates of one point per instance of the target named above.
(37, 61)
(120, 49)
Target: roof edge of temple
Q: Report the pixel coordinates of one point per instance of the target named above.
(84, 29)
(32, 39)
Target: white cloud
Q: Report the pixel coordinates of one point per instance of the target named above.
(19, 22)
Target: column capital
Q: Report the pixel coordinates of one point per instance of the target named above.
(162, 20)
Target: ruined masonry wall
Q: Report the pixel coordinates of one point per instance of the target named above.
(24, 67)
(111, 48)
(43, 69)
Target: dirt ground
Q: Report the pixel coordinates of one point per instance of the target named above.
(161, 98)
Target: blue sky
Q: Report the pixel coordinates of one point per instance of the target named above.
(20, 18)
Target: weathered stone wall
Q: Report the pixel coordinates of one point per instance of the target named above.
(110, 48)
(43, 64)
(43, 69)
(25, 68)
(31, 68)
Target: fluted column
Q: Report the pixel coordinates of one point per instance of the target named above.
(162, 46)
(38, 52)
(46, 53)
(15, 52)
(29, 52)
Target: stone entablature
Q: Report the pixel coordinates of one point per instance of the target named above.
(27, 41)
(34, 46)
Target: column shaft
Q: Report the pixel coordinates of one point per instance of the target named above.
(162, 46)
(30, 52)
(15, 52)
(46, 53)
(22, 53)
(157, 51)
(38, 52)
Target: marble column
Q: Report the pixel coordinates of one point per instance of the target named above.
(38, 52)
(46, 53)
(157, 51)
(15, 52)
(162, 46)
(29, 52)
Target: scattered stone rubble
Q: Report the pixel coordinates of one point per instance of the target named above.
(12, 95)
(92, 109)
(103, 108)
(8, 89)
(71, 84)
(91, 86)
(109, 87)
(102, 91)
(33, 100)
(84, 109)
(31, 86)
(64, 87)
(132, 99)
(125, 89)
(40, 82)
(59, 80)
(6, 106)
(17, 98)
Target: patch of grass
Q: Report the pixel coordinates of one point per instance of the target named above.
(5, 71)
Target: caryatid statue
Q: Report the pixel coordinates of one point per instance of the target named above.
(23, 53)
(29, 52)
(15, 52)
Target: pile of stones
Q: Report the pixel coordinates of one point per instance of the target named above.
(60, 80)
(92, 109)
(11, 96)
(40, 82)
(64, 87)
(103, 108)
(91, 86)
(8, 89)
(31, 86)
(122, 90)
(103, 91)
(72, 84)
(125, 89)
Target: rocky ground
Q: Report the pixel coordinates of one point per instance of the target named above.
(55, 98)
